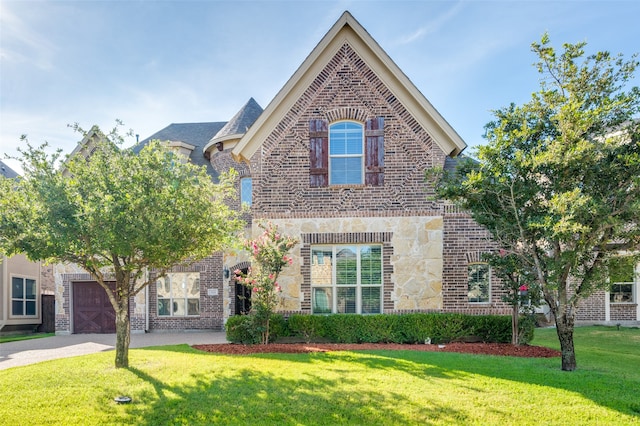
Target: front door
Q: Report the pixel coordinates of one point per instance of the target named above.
(243, 299)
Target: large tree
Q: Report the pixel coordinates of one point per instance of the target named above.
(558, 182)
(123, 216)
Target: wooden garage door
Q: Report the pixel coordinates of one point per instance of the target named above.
(92, 311)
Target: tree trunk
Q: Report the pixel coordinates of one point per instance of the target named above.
(123, 333)
(515, 334)
(564, 328)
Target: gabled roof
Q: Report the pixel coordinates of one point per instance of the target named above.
(7, 171)
(348, 30)
(195, 134)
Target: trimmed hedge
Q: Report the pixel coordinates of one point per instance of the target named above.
(382, 328)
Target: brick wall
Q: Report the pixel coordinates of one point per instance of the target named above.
(592, 308)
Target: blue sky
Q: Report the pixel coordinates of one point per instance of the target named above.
(152, 63)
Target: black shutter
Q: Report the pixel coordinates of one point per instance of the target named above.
(318, 153)
(374, 152)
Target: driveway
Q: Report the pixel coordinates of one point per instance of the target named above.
(25, 352)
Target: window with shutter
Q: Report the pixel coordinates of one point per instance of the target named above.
(346, 153)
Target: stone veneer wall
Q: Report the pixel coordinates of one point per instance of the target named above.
(412, 258)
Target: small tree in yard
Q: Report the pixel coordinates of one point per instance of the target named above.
(558, 184)
(117, 214)
(269, 252)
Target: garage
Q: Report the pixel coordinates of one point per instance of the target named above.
(92, 311)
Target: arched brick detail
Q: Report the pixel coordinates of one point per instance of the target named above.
(346, 113)
(474, 257)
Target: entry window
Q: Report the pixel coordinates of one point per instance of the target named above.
(23, 297)
(346, 148)
(479, 283)
(179, 294)
(346, 279)
(246, 188)
(622, 279)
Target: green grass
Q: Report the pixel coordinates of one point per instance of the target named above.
(178, 385)
(16, 337)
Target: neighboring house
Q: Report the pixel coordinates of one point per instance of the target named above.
(21, 286)
(337, 160)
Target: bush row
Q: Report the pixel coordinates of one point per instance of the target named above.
(387, 328)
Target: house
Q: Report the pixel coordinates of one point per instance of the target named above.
(22, 286)
(337, 160)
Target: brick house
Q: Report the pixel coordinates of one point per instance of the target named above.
(337, 160)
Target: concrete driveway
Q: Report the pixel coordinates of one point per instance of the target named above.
(25, 352)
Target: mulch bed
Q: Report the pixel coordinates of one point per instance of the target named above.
(503, 349)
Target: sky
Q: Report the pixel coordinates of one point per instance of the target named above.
(153, 63)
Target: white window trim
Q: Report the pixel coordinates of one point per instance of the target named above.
(361, 156)
(185, 298)
(358, 286)
(11, 298)
(489, 284)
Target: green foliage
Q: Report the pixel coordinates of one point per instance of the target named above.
(403, 328)
(117, 213)
(559, 179)
(248, 329)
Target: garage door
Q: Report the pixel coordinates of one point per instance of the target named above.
(92, 311)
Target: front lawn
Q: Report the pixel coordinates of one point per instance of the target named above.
(179, 385)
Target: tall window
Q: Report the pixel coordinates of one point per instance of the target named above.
(346, 279)
(23, 297)
(246, 188)
(346, 149)
(479, 283)
(179, 294)
(622, 279)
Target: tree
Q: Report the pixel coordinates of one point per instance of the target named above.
(269, 252)
(117, 214)
(558, 183)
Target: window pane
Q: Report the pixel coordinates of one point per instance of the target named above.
(346, 300)
(163, 307)
(478, 282)
(30, 292)
(345, 138)
(371, 300)
(371, 265)
(179, 308)
(164, 290)
(321, 300)
(346, 170)
(621, 293)
(321, 265)
(17, 288)
(17, 307)
(194, 306)
(246, 188)
(346, 266)
(193, 286)
(31, 307)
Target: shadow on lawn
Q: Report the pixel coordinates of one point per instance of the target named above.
(254, 396)
(250, 396)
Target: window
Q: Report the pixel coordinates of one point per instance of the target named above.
(23, 297)
(179, 294)
(246, 188)
(622, 279)
(346, 148)
(346, 152)
(479, 283)
(346, 279)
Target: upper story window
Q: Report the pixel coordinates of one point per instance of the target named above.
(346, 279)
(246, 190)
(622, 279)
(179, 294)
(24, 294)
(346, 150)
(479, 283)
